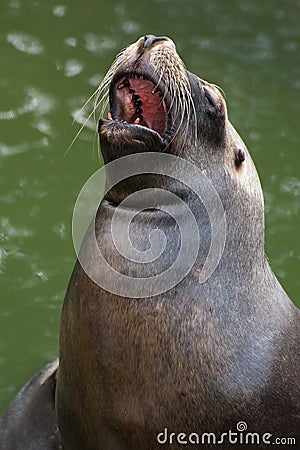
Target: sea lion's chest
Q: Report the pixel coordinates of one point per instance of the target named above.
(178, 359)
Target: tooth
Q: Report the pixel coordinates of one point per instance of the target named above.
(137, 121)
(124, 84)
(135, 97)
(155, 90)
(109, 116)
(131, 91)
(138, 111)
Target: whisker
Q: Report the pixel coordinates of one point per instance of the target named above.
(85, 104)
(100, 96)
(77, 134)
(220, 90)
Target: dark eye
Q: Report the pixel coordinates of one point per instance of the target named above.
(239, 157)
(210, 98)
(214, 114)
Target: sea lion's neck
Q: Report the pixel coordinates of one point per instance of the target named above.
(243, 239)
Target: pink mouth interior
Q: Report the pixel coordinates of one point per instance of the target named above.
(142, 104)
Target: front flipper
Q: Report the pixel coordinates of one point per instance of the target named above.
(30, 420)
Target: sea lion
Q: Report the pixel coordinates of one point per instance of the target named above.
(201, 357)
(201, 362)
(30, 421)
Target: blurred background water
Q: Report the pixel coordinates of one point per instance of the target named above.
(53, 55)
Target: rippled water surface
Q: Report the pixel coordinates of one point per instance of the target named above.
(52, 58)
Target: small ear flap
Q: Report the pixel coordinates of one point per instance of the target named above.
(239, 157)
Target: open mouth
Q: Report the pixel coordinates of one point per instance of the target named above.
(136, 100)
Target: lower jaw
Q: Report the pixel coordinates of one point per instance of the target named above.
(119, 139)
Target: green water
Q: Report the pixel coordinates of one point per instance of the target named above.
(53, 55)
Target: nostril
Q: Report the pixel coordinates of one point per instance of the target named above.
(150, 40)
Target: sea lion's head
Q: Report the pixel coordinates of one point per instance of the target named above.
(157, 105)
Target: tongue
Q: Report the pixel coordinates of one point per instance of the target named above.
(153, 110)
